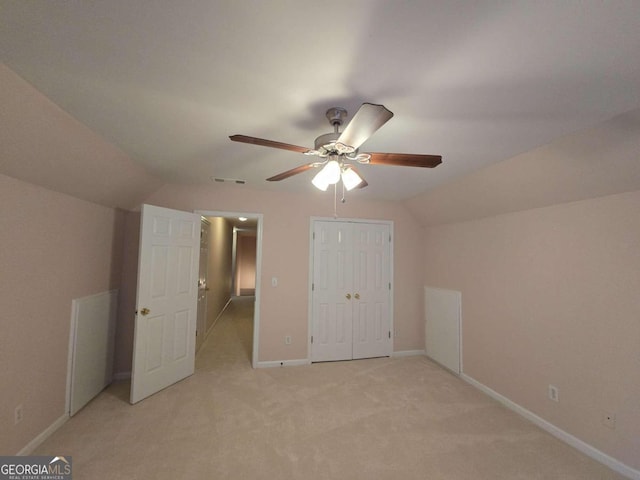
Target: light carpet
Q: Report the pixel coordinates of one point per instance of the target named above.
(387, 418)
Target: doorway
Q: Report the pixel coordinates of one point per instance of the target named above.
(244, 260)
(224, 285)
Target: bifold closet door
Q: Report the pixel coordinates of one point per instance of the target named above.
(332, 277)
(371, 290)
(351, 291)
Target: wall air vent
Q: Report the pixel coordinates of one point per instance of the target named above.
(228, 180)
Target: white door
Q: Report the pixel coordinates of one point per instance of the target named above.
(332, 277)
(371, 291)
(442, 326)
(166, 305)
(351, 291)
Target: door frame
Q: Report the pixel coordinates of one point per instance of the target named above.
(256, 310)
(312, 221)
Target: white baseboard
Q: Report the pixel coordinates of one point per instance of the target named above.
(210, 329)
(305, 361)
(557, 432)
(33, 444)
(408, 353)
(283, 363)
(120, 376)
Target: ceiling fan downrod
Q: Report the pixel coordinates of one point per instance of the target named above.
(336, 116)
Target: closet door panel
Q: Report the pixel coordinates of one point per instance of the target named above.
(332, 328)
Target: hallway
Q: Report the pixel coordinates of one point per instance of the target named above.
(230, 342)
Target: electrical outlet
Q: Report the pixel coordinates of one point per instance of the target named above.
(609, 419)
(554, 393)
(18, 414)
(287, 340)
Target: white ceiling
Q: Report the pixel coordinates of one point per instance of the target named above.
(478, 82)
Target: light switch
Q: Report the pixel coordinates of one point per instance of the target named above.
(274, 281)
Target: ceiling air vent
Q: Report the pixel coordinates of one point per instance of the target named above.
(228, 180)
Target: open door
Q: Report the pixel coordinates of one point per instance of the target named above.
(166, 303)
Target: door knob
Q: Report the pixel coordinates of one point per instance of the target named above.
(357, 295)
(348, 295)
(145, 311)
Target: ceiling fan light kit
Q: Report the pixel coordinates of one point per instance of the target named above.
(333, 172)
(336, 150)
(329, 175)
(350, 178)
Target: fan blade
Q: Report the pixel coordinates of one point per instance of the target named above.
(367, 120)
(268, 143)
(405, 159)
(291, 173)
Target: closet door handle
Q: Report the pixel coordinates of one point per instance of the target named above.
(348, 295)
(357, 295)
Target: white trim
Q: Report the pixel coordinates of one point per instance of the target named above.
(70, 355)
(256, 310)
(284, 363)
(121, 376)
(408, 353)
(557, 432)
(46, 433)
(210, 329)
(310, 288)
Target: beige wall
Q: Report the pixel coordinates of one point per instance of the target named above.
(551, 296)
(285, 254)
(53, 248)
(219, 268)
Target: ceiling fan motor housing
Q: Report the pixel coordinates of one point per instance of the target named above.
(327, 141)
(336, 116)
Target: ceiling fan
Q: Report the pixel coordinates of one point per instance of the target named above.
(337, 151)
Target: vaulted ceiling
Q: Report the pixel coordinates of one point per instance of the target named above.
(165, 83)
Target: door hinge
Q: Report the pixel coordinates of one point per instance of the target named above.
(313, 287)
(311, 338)
(389, 285)
(389, 238)
(389, 333)
(314, 235)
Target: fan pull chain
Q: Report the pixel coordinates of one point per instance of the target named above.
(335, 200)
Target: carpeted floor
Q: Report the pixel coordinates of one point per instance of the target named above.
(387, 418)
